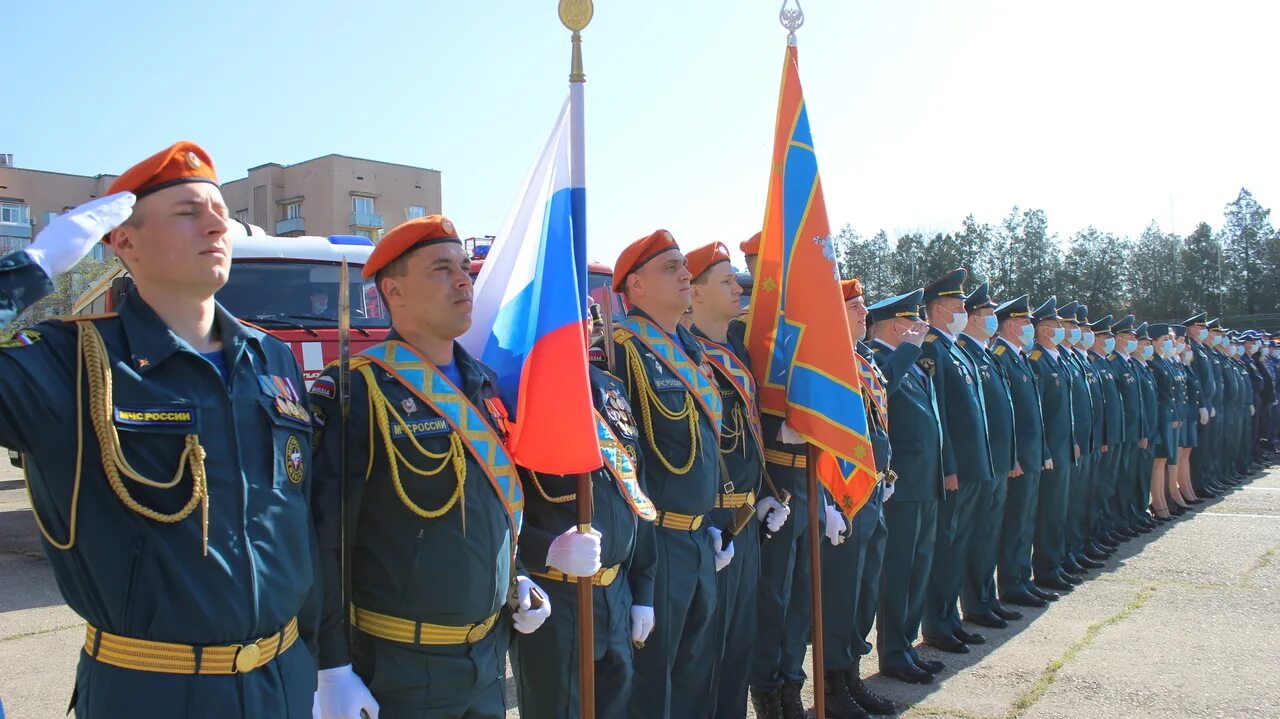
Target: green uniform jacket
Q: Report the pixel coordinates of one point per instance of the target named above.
(432, 570)
(1081, 400)
(915, 425)
(1023, 390)
(1097, 418)
(1151, 427)
(1130, 399)
(1055, 404)
(1112, 405)
(998, 403)
(965, 451)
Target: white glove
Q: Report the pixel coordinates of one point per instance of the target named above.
(1252, 411)
(575, 553)
(787, 434)
(888, 492)
(724, 554)
(526, 618)
(1204, 416)
(835, 526)
(1213, 412)
(71, 235)
(773, 513)
(343, 695)
(641, 623)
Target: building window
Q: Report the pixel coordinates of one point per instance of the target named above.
(362, 204)
(364, 233)
(414, 212)
(11, 213)
(293, 211)
(243, 216)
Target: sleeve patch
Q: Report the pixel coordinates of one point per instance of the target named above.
(324, 387)
(22, 338)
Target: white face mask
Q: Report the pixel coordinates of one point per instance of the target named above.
(1058, 335)
(1166, 348)
(1088, 338)
(1201, 334)
(1148, 352)
(989, 325)
(1028, 335)
(1108, 345)
(958, 322)
(1075, 335)
(1130, 346)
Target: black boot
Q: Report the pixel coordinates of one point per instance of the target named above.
(840, 705)
(792, 705)
(862, 694)
(767, 703)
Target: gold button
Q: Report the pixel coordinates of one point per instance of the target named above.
(477, 633)
(247, 658)
(193, 161)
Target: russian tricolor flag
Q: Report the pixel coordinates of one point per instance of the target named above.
(528, 321)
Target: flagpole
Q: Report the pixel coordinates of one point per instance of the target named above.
(792, 19)
(575, 15)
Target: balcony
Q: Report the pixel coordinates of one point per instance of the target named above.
(366, 219)
(291, 225)
(22, 230)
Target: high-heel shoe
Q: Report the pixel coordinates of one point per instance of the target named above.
(1177, 510)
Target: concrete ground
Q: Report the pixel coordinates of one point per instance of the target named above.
(1184, 622)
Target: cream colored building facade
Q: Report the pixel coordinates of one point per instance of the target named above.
(329, 195)
(333, 195)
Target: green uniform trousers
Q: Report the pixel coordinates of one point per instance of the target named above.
(908, 560)
(684, 598)
(784, 593)
(727, 649)
(1018, 531)
(1051, 520)
(978, 595)
(851, 587)
(955, 527)
(545, 663)
(1083, 477)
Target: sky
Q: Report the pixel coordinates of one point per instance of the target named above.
(1106, 113)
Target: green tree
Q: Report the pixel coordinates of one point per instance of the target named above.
(941, 255)
(1201, 254)
(1027, 258)
(67, 288)
(1092, 272)
(1155, 277)
(974, 244)
(1245, 234)
(868, 259)
(907, 259)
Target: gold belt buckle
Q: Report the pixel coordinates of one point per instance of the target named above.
(476, 633)
(247, 657)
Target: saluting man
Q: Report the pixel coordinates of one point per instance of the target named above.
(966, 458)
(915, 432)
(179, 526)
(979, 600)
(432, 503)
(671, 387)
(715, 293)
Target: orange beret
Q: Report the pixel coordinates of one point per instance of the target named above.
(418, 232)
(179, 163)
(751, 246)
(638, 253)
(703, 258)
(852, 289)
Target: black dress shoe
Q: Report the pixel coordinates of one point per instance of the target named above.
(1024, 599)
(1141, 528)
(1096, 554)
(910, 675)
(990, 619)
(1046, 594)
(1009, 615)
(1197, 500)
(1107, 543)
(947, 644)
(870, 701)
(1071, 579)
(1127, 533)
(1056, 583)
(1177, 510)
(933, 666)
(1088, 563)
(1072, 567)
(969, 637)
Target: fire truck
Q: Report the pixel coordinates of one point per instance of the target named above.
(288, 287)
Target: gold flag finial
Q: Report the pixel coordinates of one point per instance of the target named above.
(791, 19)
(575, 15)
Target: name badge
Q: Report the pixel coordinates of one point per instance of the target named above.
(155, 417)
(422, 428)
(668, 384)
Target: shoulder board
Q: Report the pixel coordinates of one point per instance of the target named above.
(962, 341)
(621, 334)
(931, 338)
(356, 362)
(88, 318)
(1000, 349)
(1035, 355)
